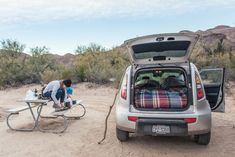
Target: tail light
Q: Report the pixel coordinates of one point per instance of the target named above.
(190, 120)
(132, 118)
(124, 87)
(200, 92)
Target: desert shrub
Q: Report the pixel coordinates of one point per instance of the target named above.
(92, 48)
(39, 62)
(215, 57)
(92, 63)
(58, 73)
(101, 66)
(50, 75)
(67, 73)
(12, 63)
(80, 72)
(13, 47)
(18, 68)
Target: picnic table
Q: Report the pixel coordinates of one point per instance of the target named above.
(39, 103)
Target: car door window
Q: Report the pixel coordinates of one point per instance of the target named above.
(212, 76)
(213, 81)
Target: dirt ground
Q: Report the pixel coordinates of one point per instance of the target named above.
(81, 137)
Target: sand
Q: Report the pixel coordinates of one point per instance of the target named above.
(81, 137)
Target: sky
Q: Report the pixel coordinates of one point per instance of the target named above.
(62, 25)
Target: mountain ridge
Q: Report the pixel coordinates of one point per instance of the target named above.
(209, 37)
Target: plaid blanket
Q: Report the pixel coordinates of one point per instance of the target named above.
(158, 99)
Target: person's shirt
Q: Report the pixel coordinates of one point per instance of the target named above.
(53, 87)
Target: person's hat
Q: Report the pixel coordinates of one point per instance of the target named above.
(69, 90)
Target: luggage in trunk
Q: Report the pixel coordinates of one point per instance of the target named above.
(160, 99)
(160, 89)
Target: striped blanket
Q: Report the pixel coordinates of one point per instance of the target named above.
(160, 99)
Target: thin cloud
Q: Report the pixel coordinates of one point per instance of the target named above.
(46, 10)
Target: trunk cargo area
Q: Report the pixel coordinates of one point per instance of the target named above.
(160, 89)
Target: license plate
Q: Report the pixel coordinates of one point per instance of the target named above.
(161, 129)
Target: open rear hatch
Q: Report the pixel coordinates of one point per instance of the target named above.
(162, 81)
(161, 48)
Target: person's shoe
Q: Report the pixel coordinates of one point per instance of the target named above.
(68, 105)
(62, 106)
(56, 106)
(61, 109)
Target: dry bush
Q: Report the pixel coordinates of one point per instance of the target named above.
(225, 60)
(101, 66)
(93, 63)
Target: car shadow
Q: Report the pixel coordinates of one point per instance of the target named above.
(164, 142)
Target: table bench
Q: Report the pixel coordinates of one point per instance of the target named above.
(30, 105)
(19, 109)
(39, 104)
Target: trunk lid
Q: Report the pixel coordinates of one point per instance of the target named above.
(161, 48)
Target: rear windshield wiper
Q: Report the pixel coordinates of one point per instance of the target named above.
(159, 58)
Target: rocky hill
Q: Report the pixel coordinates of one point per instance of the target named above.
(211, 37)
(63, 59)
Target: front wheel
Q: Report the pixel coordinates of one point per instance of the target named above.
(203, 139)
(122, 135)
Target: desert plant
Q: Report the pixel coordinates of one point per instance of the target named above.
(12, 62)
(92, 48)
(100, 66)
(39, 62)
(12, 46)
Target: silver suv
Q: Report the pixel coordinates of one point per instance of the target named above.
(163, 93)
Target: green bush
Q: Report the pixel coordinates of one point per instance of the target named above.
(18, 68)
(50, 75)
(101, 66)
(213, 58)
(91, 63)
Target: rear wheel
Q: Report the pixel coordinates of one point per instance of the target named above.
(203, 139)
(122, 135)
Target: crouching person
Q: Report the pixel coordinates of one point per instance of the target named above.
(56, 90)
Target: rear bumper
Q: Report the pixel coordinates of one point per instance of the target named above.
(201, 126)
(176, 127)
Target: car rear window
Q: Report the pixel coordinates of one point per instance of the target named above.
(166, 48)
(161, 77)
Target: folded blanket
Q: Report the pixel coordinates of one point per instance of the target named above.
(158, 99)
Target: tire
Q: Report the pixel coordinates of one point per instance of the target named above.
(203, 139)
(122, 135)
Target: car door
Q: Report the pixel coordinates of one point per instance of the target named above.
(213, 81)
